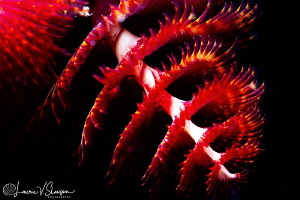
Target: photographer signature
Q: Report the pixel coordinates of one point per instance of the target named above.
(47, 190)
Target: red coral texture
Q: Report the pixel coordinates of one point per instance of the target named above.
(189, 107)
(28, 29)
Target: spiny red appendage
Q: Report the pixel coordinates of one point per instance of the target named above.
(79, 57)
(102, 29)
(63, 84)
(243, 130)
(171, 139)
(170, 29)
(203, 58)
(236, 93)
(95, 119)
(131, 146)
(193, 169)
(229, 21)
(112, 77)
(235, 21)
(28, 30)
(244, 125)
(170, 153)
(220, 181)
(129, 7)
(229, 91)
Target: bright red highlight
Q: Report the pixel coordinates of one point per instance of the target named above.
(196, 121)
(28, 29)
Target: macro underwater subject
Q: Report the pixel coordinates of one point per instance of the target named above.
(156, 92)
